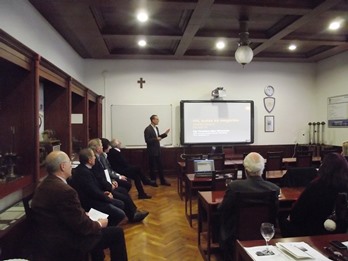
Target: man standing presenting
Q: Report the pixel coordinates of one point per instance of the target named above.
(152, 139)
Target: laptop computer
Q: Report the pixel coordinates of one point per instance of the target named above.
(203, 168)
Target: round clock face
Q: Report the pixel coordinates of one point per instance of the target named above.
(269, 90)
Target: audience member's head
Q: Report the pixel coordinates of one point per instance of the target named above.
(58, 163)
(96, 146)
(86, 156)
(334, 171)
(345, 148)
(106, 144)
(115, 143)
(254, 164)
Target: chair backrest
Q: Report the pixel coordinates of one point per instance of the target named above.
(341, 211)
(219, 160)
(253, 209)
(304, 159)
(298, 177)
(220, 177)
(326, 151)
(243, 169)
(274, 160)
(189, 161)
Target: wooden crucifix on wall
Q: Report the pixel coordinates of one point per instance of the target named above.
(141, 81)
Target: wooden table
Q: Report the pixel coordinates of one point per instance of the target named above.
(317, 242)
(271, 175)
(208, 202)
(192, 185)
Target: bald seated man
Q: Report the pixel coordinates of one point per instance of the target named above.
(254, 165)
(63, 229)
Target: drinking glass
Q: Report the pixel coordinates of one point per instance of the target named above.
(267, 231)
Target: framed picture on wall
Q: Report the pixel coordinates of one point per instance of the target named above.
(269, 123)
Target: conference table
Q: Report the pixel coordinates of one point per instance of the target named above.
(208, 202)
(194, 184)
(316, 242)
(238, 163)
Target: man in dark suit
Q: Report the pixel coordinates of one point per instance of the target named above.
(152, 139)
(91, 194)
(100, 171)
(63, 230)
(254, 165)
(120, 165)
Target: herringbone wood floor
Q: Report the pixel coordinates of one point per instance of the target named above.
(165, 234)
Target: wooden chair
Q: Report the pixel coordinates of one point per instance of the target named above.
(243, 169)
(326, 151)
(304, 159)
(251, 209)
(341, 213)
(219, 160)
(298, 177)
(274, 161)
(189, 168)
(220, 177)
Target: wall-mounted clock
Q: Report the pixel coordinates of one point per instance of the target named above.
(269, 90)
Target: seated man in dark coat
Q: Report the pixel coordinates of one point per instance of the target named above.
(254, 165)
(63, 231)
(101, 172)
(120, 165)
(91, 194)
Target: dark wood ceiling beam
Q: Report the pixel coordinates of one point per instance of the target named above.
(261, 9)
(199, 15)
(326, 5)
(328, 53)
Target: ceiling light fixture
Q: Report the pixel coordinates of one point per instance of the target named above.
(220, 45)
(142, 43)
(244, 54)
(292, 47)
(142, 16)
(334, 25)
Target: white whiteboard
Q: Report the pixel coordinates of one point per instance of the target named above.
(128, 123)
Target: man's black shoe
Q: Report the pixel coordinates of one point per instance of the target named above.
(144, 196)
(165, 183)
(139, 216)
(151, 183)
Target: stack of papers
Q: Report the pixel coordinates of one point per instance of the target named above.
(287, 251)
(95, 214)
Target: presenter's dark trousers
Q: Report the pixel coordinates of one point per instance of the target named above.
(155, 162)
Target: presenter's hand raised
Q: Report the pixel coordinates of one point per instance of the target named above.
(167, 131)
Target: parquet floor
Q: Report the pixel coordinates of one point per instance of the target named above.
(165, 234)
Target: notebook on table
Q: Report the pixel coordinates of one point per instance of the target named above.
(203, 168)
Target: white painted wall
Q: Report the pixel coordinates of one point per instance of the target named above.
(331, 80)
(168, 82)
(301, 90)
(19, 19)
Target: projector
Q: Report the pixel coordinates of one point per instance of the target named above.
(219, 92)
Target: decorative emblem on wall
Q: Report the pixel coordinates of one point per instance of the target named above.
(269, 103)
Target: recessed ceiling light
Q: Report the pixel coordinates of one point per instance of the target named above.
(220, 45)
(335, 25)
(142, 16)
(292, 47)
(142, 43)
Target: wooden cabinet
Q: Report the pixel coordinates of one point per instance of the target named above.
(37, 95)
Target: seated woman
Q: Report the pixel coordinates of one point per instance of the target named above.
(317, 201)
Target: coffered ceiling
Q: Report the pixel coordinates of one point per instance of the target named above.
(189, 29)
